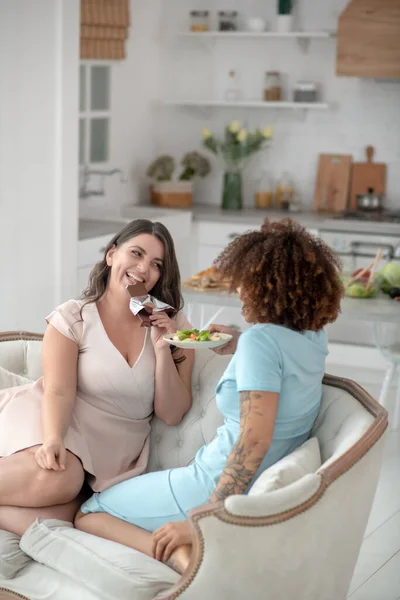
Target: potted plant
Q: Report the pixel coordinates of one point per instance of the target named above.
(235, 150)
(167, 191)
(284, 18)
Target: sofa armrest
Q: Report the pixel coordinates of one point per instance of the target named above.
(291, 543)
(225, 548)
(20, 353)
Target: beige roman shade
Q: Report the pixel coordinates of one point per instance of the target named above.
(104, 29)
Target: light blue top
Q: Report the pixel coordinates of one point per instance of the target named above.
(269, 358)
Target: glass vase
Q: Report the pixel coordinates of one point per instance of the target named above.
(232, 191)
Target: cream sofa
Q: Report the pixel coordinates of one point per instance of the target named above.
(299, 542)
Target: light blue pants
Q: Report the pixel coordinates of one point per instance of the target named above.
(154, 499)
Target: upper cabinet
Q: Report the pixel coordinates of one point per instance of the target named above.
(368, 39)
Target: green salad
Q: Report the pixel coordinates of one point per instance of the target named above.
(358, 290)
(196, 335)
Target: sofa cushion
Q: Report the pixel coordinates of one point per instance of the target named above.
(12, 558)
(22, 356)
(9, 379)
(177, 446)
(108, 569)
(302, 461)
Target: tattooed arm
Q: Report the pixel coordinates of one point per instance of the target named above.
(257, 419)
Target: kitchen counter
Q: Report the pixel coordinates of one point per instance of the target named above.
(95, 228)
(309, 219)
(381, 308)
(105, 224)
(89, 228)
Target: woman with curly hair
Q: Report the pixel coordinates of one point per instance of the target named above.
(269, 395)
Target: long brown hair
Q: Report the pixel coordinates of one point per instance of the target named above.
(167, 288)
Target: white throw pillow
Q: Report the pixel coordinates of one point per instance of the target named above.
(305, 459)
(9, 379)
(111, 571)
(12, 558)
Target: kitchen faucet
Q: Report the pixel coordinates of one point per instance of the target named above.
(87, 172)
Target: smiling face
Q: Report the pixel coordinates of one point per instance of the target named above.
(138, 259)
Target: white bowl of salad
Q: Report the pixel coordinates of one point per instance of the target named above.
(197, 339)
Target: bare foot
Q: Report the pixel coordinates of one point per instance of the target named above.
(179, 559)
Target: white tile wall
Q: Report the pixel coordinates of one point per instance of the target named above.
(160, 67)
(367, 111)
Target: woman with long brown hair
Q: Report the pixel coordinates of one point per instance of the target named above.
(88, 417)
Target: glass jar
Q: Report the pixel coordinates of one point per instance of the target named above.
(227, 20)
(199, 20)
(273, 87)
(284, 192)
(263, 194)
(305, 91)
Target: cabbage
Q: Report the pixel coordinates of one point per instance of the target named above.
(390, 276)
(358, 290)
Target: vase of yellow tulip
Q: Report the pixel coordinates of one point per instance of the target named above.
(235, 150)
(232, 198)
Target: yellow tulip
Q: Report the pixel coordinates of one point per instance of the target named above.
(242, 135)
(234, 126)
(267, 132)
(206, 134)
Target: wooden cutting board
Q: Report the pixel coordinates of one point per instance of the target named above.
(367, 175)
(332, 184)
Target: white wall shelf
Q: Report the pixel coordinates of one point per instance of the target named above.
(250, 104)
(254, 35)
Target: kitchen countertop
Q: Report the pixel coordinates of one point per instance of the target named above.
(312, 220)
(105, 223)
(253, 217)
(94, 228)
(381, 308)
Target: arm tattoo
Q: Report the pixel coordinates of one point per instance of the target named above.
(245, 458)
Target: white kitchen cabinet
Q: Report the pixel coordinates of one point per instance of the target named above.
(211, 238)
(220, 234)
(90, 251)
(205, 256)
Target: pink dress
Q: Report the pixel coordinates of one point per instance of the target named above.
(110, 424)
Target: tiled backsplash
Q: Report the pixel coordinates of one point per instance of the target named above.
(364, 112)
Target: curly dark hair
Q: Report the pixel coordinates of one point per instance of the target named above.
(286, 276)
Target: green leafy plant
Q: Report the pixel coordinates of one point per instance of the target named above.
(284, 7)
(237, 145)
(194, 165)
(162, 168)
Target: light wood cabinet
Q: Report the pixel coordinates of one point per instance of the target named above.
(368, 39)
